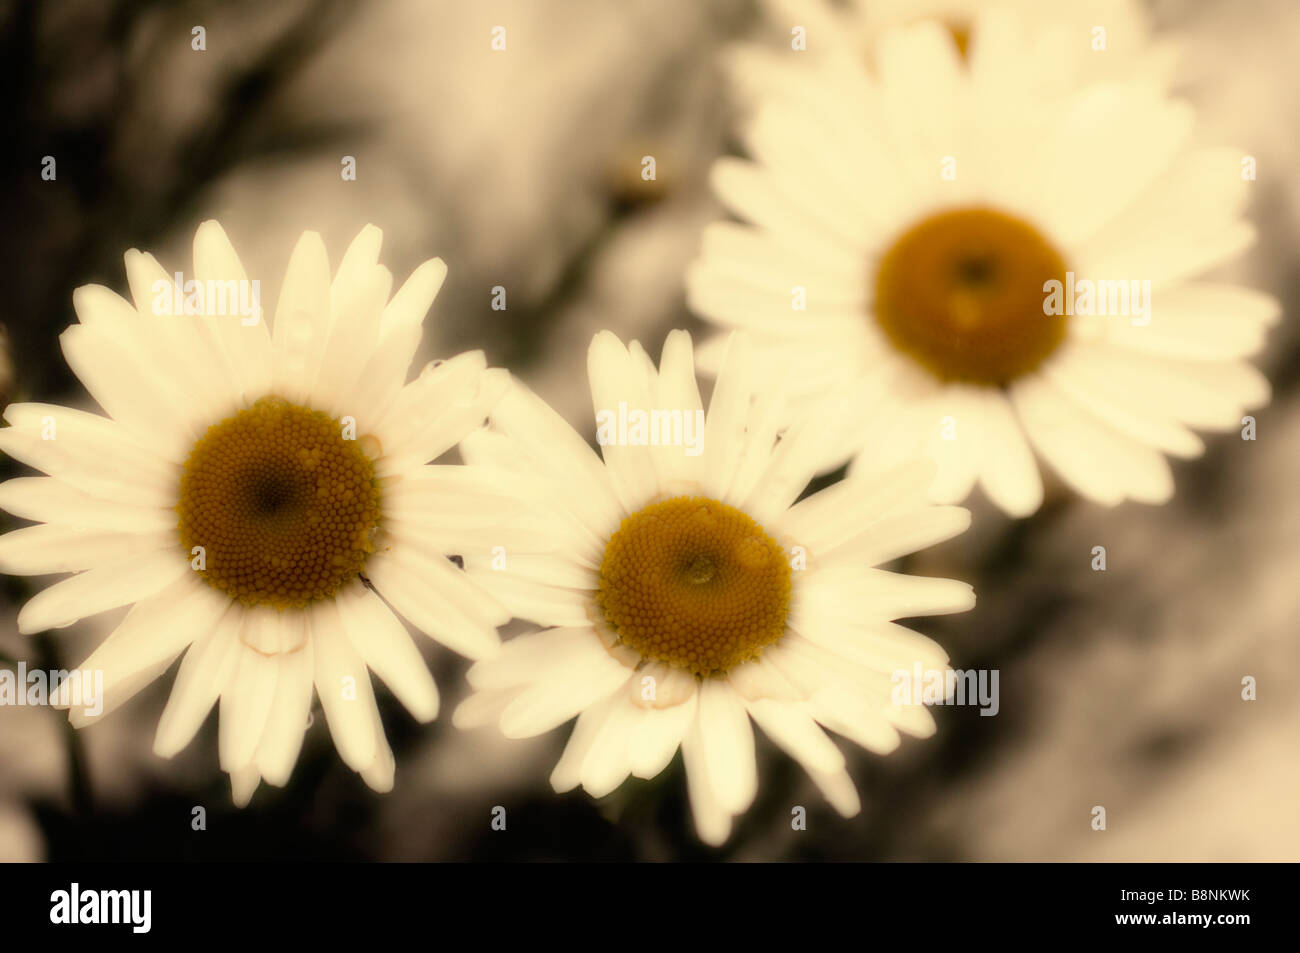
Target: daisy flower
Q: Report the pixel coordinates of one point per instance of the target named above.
(1007, 270)
(688, 590)
(259, 497)
(1072, 39)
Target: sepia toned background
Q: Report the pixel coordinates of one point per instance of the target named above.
(521, 168)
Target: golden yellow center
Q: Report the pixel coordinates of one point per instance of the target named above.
(283, 507)
(694, 583)
(962, 293)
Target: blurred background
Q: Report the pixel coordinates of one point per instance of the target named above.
(521, 168)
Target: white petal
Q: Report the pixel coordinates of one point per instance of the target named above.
(48, 500)
(798, 735)
(831, 517)
(724, 429)
(857, 719)
(101, 588)
(727, 746)
(130, 391)
(387, 649)
(358, 262)
(1076, 379)
(759, 679)
(1008, 471)
(354, 331)
(153, 633)
(657, 737)
(286, 722)
(439, 599)
(537, 602)
(94, 454)
(561, 694)
(243, 339)
(616, 379)
(47, 548)
(905, 533)
(343, 685)
(245, 703)
(243, 784)
(485, 708)
(1098, 462)
(301, 318)
(606, 765)
(882, 595)
(208, 664)
(567, 774)
(522, 658)
(712, 822)
(677, 390)
(546, 442)
(439, 409)
(880, 646)
(415, 297)
(753, 193)
(380, 773)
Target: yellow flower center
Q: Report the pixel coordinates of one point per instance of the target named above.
(283, 507)
(962, 294)
(694, 583)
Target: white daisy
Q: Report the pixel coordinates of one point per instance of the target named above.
(1070, 40)
(259, 498)
(907, 225)
(687, 593)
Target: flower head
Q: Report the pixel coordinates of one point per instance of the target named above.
(1001, 258)
(688, 589)
(259, 497)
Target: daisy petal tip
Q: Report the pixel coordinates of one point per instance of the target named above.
(961, 519)
(849, 809)
(132, 258)
(33, 621)
(380, 777)
(89, 298)
(466, 716)
(243, 784)
(427, 713)
(210, 231)
(495, 382)
(714, 836)
(562, 783)
(277, 779)
(605, 344)
(1021, 507)
(436, 267)
(163, 746)
(515, 728)
(677, 337)
(1158, 496)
